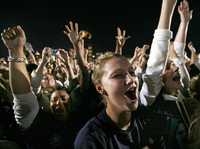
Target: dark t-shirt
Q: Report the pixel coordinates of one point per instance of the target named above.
(47, 132)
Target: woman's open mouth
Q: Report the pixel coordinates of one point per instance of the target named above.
(131, 94)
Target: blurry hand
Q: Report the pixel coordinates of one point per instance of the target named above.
(184, 11)
(46, 55)
(14, 39)
(72, 32)
(121, 39)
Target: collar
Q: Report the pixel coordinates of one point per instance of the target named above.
(169, 97)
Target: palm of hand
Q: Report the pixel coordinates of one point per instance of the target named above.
(73, 37)
(72, 32)
(184, 11)
(121, 41)
(46, 54)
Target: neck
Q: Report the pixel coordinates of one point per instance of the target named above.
(170, 92)
(122, 119)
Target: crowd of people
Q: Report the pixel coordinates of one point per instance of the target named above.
(75, 98)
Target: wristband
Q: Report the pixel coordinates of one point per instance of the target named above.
(16, 59)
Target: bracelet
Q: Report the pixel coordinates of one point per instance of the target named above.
(16, 59)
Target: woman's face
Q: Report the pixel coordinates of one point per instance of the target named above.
(120, 85)
(58, 101)
(48, 81)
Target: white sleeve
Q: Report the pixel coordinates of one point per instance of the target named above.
(25, 108)
(180, 63)
(158, 52)
(151, 87)
(197, 64)
(180, 50)
(152, 82)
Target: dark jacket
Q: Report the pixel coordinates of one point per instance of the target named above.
(147, 129)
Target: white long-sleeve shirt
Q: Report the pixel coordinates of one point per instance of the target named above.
(180, 63)
(25, 108)
(198, 62)
(152, 81)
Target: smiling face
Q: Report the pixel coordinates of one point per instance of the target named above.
(119, 84)
(48, 81)
(59, 100)
(171, 79)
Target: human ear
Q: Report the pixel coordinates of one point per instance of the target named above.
(100, 89)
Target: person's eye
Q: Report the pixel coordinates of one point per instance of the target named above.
(63, 98)
(119, 75)
(54, 100)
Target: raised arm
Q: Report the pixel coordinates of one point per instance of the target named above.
(64, 56)
(139, 59)
(180, 41)
(29, 49)
(195, 57)
(72, 32)
(185, 17)
(25, 103)
(158, 54)
(15, 39)
(38, 73)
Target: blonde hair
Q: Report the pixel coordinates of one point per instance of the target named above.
(100, 63)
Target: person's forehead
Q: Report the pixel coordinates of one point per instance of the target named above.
(117, 64)
(118, 61)
(59, 93)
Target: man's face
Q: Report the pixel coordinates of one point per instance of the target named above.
(172, 79)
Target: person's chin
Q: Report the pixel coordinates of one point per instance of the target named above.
(134, 105)
(59, 116)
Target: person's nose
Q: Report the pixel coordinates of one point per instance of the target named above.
(58, 102)
(129, 79)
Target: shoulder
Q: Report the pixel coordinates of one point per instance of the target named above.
(92, 135)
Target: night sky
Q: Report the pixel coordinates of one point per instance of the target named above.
(43, 21)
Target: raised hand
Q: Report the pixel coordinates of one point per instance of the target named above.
(194, 55)
(191, 47)
(46, 55)
(14, 39)
(135, 57)
(184, 11)
(120, 40)
(77, 41)
(139, 58)
(64, 56)
(72, 33)
(144, 57)
(145, 47)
